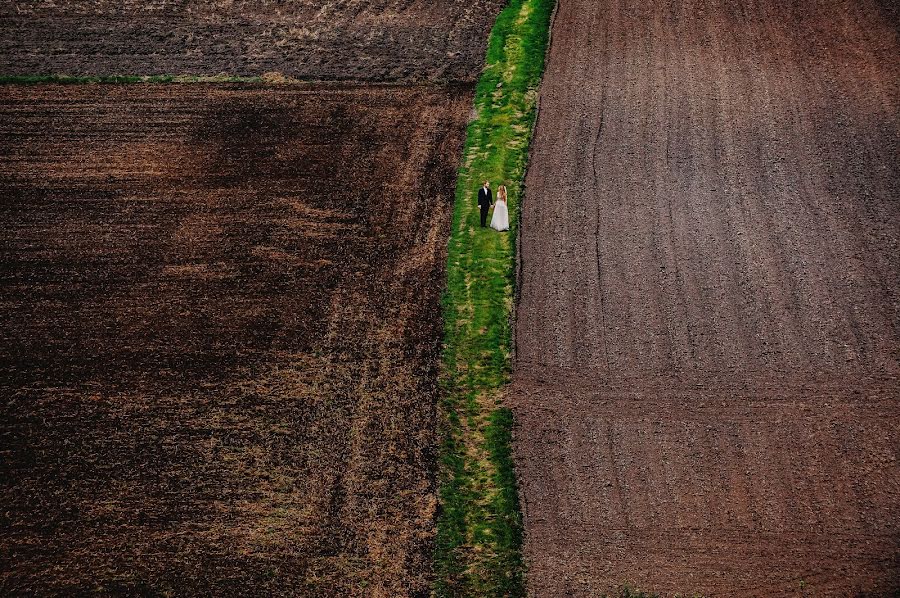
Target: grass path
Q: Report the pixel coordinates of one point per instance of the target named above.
(479, 537)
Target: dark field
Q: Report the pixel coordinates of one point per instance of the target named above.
(707, 378)
(378, 41)
(221, 330)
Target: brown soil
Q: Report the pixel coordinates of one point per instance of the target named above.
(708, 326)
(378, 40)
(221, 330)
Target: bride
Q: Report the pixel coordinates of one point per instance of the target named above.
(500, 220)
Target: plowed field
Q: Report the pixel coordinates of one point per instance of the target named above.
(379, 40)
(708, 322)
(221, 332)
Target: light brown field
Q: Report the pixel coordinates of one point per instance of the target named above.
(708, 329)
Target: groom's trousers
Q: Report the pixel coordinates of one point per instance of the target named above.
(484, 212)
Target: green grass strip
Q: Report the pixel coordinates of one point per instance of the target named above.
(479, 536)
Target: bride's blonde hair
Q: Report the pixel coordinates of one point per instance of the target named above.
(501, 191)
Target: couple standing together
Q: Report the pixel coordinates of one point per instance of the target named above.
(500, 221)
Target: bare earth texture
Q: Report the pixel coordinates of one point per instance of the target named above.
(221, 333)
(374, 40)
(708, 326)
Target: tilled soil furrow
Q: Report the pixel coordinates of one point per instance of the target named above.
(335, 40)
(708, 323)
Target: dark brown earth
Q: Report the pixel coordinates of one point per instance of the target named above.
(221, 329)
(708, 326)
(375, 40)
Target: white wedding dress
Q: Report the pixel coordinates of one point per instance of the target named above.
(500, 220)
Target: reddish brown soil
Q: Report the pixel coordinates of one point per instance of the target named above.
(221, 329)
(374, 40)
(708, 326)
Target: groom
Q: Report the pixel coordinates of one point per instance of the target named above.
(485, 201)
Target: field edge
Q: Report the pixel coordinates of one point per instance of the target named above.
(478, 549)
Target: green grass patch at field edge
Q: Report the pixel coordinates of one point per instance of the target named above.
(479, 536)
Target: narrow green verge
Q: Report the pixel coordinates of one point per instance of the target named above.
(479, 530)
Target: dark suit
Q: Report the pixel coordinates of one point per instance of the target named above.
(485, 201)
